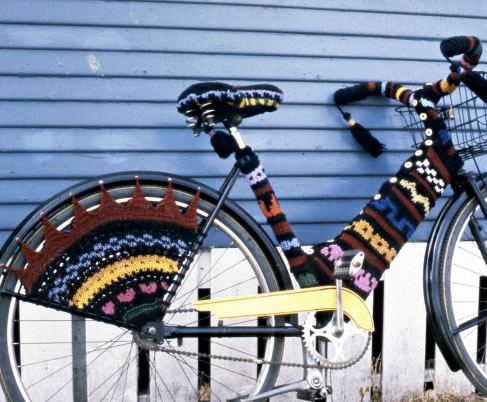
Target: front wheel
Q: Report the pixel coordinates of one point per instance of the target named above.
(52, 355)
(458, 289)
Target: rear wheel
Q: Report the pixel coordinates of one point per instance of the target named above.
(52, 355)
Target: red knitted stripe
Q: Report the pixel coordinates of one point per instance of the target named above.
(472, 43)
(451, 151)
(432, 113)
(405, 96)
(372, 87)
(324, 268)
(388, 229)
(281, 228)
(297, 261)
(433, 156)
(369, 257)
(412, 209)
(392, 89)
(425, 185)
(260, 191)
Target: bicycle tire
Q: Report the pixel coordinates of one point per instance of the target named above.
(49, 375)
(456, 293)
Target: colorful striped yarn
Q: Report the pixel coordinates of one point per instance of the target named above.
(117, 262)
(389, 220)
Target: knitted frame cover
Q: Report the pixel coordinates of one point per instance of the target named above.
(388, 221)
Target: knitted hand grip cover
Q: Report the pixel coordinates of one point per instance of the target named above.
(117, 262)
(469, 46)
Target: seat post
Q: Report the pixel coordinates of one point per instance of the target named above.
(238, 138)
(231, 125)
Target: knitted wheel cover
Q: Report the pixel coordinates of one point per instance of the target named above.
(117, 262)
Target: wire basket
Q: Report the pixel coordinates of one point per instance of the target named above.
(465, 116)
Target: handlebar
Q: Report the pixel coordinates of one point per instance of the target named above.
(469, 46)
(353, 93)
(425, 97)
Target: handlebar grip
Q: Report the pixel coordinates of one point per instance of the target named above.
(469, 46)
(476, 83)
(351, 94)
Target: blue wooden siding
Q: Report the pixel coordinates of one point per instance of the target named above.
(88, 87)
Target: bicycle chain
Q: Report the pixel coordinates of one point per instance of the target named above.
(230, 358)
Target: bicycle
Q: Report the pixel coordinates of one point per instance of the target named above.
(175, 236)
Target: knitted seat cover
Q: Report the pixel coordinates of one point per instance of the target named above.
(228, 100)
(116, 262)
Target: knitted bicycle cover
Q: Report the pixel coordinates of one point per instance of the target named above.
(387, 222)
(116, 262)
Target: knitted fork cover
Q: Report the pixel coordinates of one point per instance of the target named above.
(117, 262)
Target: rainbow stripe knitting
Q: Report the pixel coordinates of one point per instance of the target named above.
(117, 262)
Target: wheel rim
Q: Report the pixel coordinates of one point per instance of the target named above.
(465, 298)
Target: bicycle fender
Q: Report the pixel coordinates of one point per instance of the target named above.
(430, 287)
(321, 298)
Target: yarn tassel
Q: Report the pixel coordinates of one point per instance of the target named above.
(365, 138)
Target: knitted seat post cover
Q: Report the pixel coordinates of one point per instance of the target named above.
(386, 222)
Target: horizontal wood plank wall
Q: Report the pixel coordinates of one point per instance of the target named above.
(89, 88)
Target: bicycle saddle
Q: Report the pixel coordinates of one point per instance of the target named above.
(209, 103)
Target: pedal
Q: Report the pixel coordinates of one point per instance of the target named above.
(349, 264)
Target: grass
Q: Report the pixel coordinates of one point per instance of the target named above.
(432, 396)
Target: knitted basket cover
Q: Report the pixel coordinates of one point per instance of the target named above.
(116, 262)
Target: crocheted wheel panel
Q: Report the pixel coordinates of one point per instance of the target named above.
(116, 262)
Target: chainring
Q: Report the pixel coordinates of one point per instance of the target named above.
(330, 350)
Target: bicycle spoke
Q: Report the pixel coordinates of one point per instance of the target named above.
(70, 355)
(185, 375)
(205, 280)
(469, 270)
(124, 373)
(112, 375)
(68, 364)
(216, 381)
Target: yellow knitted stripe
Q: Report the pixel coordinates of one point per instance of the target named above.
(365, 230)
(254, 101)
(447, 88)
(116, 271)
(399, 92)
(415, 197)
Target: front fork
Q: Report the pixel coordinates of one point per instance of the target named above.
(467, 182)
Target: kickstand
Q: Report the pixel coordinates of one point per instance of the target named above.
(312, 387)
